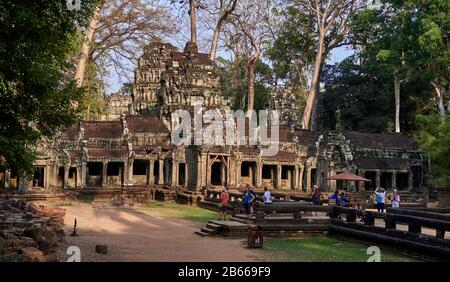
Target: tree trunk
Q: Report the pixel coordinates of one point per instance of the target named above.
(315, 115)
(439, 99)
(313, 91)
(215, 41)
(397, 101)
(85, 47)
(251, 84)
(193, 16)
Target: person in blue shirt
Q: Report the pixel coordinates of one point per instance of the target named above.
(335, 197)
(343, 200)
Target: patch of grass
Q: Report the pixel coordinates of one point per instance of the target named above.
(325, 249)
(173, 210)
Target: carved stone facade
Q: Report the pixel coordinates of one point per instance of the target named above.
(133, 147)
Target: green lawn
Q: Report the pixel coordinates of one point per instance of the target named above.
(324, 249)
(173, 210)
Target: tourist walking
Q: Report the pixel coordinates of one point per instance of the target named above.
(380, 196)
(267, 199)
(395, 199)
(316, 196)
(224, 204)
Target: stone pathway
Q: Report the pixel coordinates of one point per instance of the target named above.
(136, 236)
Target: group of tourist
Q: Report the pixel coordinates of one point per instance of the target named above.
(248, 201)
(380, 198)
(337, 199)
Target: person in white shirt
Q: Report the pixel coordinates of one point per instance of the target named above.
(267, 198)
(395, 199)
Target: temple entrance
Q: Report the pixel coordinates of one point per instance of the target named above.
(313, 177)
(248, 173)
(269, 176)
(140, 172)
(168, 171)
(181, 174)
(402, 180)
(94, 174)
(38, 180)
(114, 174)
(216, 174)
(287, 176)
(386, 180)
(156, 172)
(217, 170)
(72, 177)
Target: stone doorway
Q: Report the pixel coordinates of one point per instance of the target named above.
(248, 173)
(39, 177)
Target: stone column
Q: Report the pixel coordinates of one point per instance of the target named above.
(66, 177)
(394, 180)
(308, 179)
(130, 172)
(410, 179)
(174, 173)
(151, 176)
(278, 176)
(361, 184)
(83, 174)
(300, 178)
(78, 184)
(331, 172)
(7, 178)
(208, 171)
(259, 166)
(238, 173)
(199, 181)
(47, 176)
(186, 175)
(161, 171)
(252, 175)
(295, 176)
(105, 175)
(378, 178)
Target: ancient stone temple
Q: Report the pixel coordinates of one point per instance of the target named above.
(132, 146)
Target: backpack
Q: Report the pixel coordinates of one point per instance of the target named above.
(378, 199)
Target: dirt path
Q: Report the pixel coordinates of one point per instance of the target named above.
(136, 236)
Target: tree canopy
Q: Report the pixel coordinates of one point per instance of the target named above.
(37, 93)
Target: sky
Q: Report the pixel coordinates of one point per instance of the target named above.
(114, 81)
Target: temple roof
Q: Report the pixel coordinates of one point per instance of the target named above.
(381, 140)
(145, 124)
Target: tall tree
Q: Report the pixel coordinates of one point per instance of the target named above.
(117, 32)
(37, 94)
(331, 25)
(224, 10)
(250, 19)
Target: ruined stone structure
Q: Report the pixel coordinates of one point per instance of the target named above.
(133, 147)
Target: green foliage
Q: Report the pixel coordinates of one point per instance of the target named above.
(234, 82)
(355, 99)
(92, 105)
(36, 93)
(434, 137)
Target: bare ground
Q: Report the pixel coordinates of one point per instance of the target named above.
(133, 235)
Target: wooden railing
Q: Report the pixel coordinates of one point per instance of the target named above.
(344, 221)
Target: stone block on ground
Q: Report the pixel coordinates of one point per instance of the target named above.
(101, 249)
